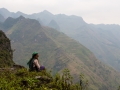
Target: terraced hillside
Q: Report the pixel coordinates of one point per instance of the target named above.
(58, 51)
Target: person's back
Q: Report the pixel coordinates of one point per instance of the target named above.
(30, 63)
(34, 63)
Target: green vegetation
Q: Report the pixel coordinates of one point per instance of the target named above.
(21, 79)
(103, 40)
(5, 51)
(57, 52)
(119, 88)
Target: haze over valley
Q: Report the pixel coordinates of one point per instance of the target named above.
(66, 42)
(102, 39)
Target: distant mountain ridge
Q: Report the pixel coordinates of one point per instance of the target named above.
(46, 17)
(102, 40)
(57, 51)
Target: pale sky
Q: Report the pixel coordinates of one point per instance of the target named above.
(92, 11)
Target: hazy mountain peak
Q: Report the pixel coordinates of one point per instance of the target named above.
(21, 17)
(46, 12)
(19, 12)
(4, 12)
(61, 15)
(54, 24)
(3, 9)
(9, 22)
(9, 18)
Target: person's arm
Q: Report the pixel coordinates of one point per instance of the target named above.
(37, 63)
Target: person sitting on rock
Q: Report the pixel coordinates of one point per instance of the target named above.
(34, 64)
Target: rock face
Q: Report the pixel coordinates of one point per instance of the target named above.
(5, 51)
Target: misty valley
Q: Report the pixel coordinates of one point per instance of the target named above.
(67, 45)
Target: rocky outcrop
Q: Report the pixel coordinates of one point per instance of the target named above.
(5, 51)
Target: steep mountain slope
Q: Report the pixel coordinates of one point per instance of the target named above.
(5, 51)
(54, 25)
(102, 40)
(2, 19)
(4, 12)
(57, 51)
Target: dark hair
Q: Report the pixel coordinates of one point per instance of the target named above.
(33, 55)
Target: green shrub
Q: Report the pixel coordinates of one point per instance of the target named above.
(22, 79)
